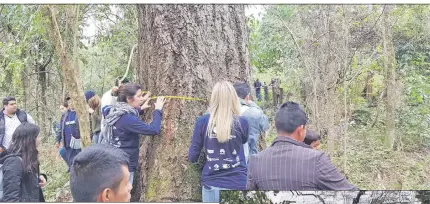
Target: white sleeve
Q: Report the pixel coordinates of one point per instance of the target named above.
(30, 119)
(106, 99)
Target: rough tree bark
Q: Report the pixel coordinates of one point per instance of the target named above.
(183, 51)
(390, 76)
(71, 78)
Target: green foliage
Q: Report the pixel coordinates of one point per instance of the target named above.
(368, 164)
(107, 57)
(270, 43)
(25, 45)
(246, 197)
(54, 167)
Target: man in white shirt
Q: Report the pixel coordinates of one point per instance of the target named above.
(10, 118)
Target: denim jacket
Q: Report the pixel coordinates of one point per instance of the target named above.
(258, 122)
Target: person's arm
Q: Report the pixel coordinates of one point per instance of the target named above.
(30, 119)
(78, 130)
(44, 176)
(329, 178)
(135, 125)
(250, 183)
(264, 123)
(245, 128)
(12, 177)
(196, 142)
(59, 133)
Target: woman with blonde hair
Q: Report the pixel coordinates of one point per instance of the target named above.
(221, 134)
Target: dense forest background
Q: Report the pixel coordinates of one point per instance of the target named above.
(361, 72)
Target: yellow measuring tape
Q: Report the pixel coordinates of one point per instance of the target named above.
(177, 97)
(180, 97)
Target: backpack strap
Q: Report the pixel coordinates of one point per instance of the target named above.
(22, 116)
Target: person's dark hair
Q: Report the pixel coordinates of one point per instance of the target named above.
(289, 117)
(66, 104)
(24, 143)
(242, 89)
(123, 81)
(94, 169)
(7, 99)
(126, 91)
(311, 136)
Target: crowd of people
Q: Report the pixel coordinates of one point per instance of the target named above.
(274, 83)
(227, 133)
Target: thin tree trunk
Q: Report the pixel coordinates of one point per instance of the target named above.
(390, 70)
(345, 89)
(72, 80)
(183, 51)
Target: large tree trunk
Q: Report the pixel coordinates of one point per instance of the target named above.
(183, 51)
(390, 76)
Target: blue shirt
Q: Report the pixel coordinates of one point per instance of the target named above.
(126, 134)
(69, 126)
(225, 165)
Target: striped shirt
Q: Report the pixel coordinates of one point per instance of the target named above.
(292, 165)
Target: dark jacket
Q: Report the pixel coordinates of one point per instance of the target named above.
(22, 116)
(257, 85)
(69, 125)
(19, 186)
(292, 165)
(225, 165)
(126, 133)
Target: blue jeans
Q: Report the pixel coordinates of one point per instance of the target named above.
(211, 195)
(70, 155)
(258, 93)
(96, 137)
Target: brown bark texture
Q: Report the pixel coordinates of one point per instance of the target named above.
(183, 51)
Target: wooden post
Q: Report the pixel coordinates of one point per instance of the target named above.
(281, 95)
(274, 96)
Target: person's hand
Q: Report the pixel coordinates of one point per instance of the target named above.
(42, 181)
(145, 105)
(160, 103)
(147, 95)
(114, 91)
(57, 145)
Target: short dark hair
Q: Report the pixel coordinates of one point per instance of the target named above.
(127, 90)
(66, 104)
(289, 117)
(124, 81)
(7, 99)
(311, 136)
(242, 89)
(94, 169)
